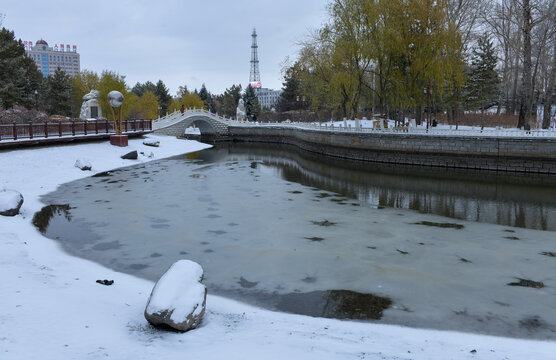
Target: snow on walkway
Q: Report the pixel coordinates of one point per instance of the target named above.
(52, 308)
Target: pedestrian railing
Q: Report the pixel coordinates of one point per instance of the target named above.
(69, 129)
(178, 116)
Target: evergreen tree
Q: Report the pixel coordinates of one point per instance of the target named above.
(58, 94)
(182, 90)
(252, 106)
(163, 96)
(483, 83)
(203, 93)
(19, 76)
(291, 88)
(230, 100)
(139, 89)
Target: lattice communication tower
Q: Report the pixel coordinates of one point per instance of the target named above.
(254, 76)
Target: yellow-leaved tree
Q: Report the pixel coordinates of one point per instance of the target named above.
(109, 81)
(146, 106)
(82, 83)
(188, 100)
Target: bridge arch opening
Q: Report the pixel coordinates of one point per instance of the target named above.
(205, 126)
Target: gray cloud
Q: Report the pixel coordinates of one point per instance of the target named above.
(180, 42)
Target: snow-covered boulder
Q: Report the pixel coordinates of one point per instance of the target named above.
(151, 142)
(83, 164)
(10, 202)
(178, 299)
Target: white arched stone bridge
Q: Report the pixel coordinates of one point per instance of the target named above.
(208, 123)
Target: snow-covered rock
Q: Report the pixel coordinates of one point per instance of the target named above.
(10, 202)
(178, 299)
(83, 164)
(151, 142)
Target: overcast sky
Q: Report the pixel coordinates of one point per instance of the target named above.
(181, 42)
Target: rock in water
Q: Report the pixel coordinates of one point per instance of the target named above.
(178, 299)
(10, 202)
(151, 142)
(83, 164)
(130, 155)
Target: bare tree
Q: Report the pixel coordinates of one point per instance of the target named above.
(550, 85)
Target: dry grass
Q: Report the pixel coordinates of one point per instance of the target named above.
(491, 120)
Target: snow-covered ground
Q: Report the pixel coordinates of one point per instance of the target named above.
(52, 308)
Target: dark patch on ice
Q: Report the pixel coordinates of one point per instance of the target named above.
(232, 224)
(103, 174)
(107, 246)
(246, 284)
(402, 252)
(295, 192)
(534, 323)
(183, 252)
(208, 251)
(155, 255)
(464, 260)
(315, 238)
(338, 304)
(441, 225)
(511, 238)
(213, 216)
(309, 279)
(371, 247)
(205, 243)
(216, 232)
(501, 303)
(548, 253)
(41, 219)
(323, 195)
(527, 283)
(138, 266)
(197, 176)
(160, 226)
(510, 231)
(324, 223)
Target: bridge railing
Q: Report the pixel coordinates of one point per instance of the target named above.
(177, 116)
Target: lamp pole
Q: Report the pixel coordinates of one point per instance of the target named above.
(36, 99)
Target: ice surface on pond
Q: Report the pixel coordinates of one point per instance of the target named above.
(264, 228)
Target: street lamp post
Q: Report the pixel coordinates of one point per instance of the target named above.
(36, 99)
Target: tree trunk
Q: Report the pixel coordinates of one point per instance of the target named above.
(549, 97)
(418, 115)
(526, 95)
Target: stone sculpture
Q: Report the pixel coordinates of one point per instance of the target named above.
(90, 109)
(240, 111)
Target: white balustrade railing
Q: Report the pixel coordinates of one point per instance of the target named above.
(177, 116)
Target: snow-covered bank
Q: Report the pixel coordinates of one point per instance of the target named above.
(53, 309)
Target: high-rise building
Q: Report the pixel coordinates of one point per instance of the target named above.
(267, 97)
(48, 59)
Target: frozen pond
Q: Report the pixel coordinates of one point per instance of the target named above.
(292, 232)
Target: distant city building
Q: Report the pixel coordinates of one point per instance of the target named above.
(48, 59)
(267, 97)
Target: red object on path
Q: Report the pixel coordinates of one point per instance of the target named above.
(118, 140)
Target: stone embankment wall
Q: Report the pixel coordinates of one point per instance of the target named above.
(533, 155)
